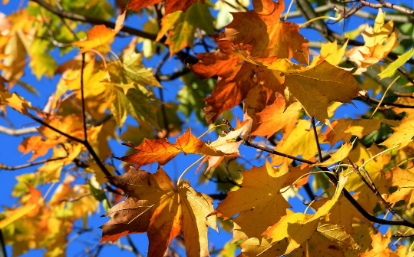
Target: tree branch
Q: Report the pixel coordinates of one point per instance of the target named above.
(385, 4)
(375, 102)
(18, 132)
(95, 21)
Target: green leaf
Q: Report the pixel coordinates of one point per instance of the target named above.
(192, 94)
(132, 71)
(402, 59)
(41, 62)
(132, 99)
(99, 194)
(184, 25)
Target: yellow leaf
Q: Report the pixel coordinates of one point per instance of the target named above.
(258, 199)
(403, 134)
(325, 83)
(29, 209)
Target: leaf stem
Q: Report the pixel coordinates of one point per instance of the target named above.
(383, 96)
(185, 171)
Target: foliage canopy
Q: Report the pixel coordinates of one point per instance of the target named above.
(238, 63)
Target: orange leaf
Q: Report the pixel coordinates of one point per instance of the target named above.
(275, 117)
(162, 151)
(101, 35)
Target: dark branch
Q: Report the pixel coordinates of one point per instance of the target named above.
(95, 21)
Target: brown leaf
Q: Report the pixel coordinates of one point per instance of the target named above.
(155, 206)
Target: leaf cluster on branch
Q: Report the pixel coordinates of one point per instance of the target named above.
(295, 135)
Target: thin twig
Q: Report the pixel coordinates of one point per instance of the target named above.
(133, 247)
(4, 167)
(317, 139)
(85, 132)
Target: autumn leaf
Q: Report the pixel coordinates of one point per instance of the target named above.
(331, 53)
(342, 213)
(403, 134)
(162, 151)
(261, 32)
(374, 49)
(403, 179)
(101, 35)
(325, 83)
(339, 155)
(28, 209)
(380, 246)
(344, 129)
(181, 26)
(258, 199)
(155, 206)
(277, 116)
(293, 144)
(375, 169)
(291, 226)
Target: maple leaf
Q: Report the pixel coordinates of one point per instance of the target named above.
(277, 116)
(375, 169)
(374, 49)
(181, 26)
(402, 59)
(339, 155)
(162, 151)
(257, 200)
(227, 144)
(380, 246)
(325, 82)
(155, 206)
(15, 101)
(253, 247)
(331, 53)
(342, 213)
(28, 209)
(328, 240)
(100, 35)
(404, 180)
(291, 226)
(293, 144)
(344, 129)
(403, 134)
(299, 227)
(262, 33)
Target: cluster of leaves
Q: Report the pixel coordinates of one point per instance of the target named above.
(362, 167)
